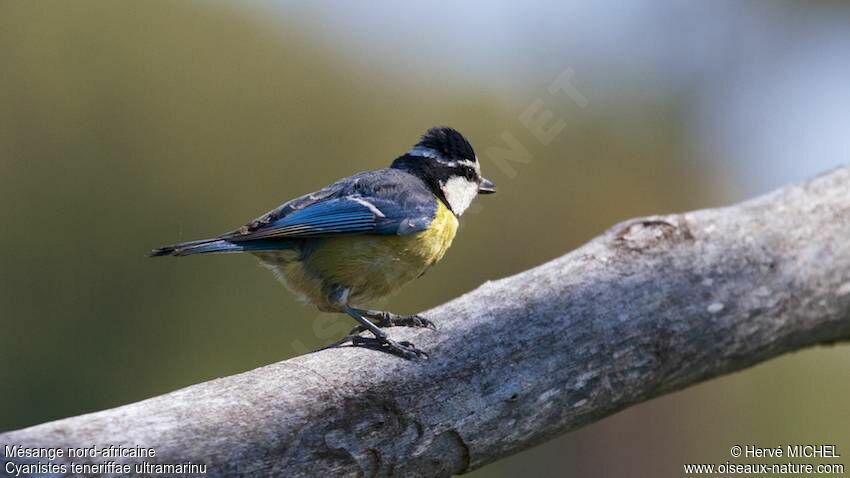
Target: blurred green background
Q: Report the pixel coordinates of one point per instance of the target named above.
(124, 126)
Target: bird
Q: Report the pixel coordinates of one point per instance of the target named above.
(361, 238)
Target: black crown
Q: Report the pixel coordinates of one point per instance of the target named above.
(448, 142)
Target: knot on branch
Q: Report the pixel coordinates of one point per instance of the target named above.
(382, 439)
(650, 233)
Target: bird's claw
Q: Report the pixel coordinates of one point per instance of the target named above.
(398, 321)
(403, 349)
(415, 321)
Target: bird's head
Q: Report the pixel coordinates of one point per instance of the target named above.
(445, 160)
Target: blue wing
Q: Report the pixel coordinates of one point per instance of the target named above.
(373, 204)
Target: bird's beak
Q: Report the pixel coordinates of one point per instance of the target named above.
(486, 187)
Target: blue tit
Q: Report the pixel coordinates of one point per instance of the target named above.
(363, 237)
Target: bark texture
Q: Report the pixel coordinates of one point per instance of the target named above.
(651, 306)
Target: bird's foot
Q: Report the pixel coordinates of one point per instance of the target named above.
(386, 319)
(411, 321)
(403, 349)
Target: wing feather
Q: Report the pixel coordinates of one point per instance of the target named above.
(332, 217)
(384, 201)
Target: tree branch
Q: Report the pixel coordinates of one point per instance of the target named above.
(651, 306)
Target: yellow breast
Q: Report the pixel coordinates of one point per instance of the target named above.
(371, 267)
(433, 242)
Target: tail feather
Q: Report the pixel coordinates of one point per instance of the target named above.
(191, 247)
(205, 246)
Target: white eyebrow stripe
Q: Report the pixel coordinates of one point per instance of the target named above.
(424, 152)
(369, 205)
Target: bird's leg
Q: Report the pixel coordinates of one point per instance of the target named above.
(380, 342)
(387, 319)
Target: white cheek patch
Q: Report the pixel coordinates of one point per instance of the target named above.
(459, 193)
